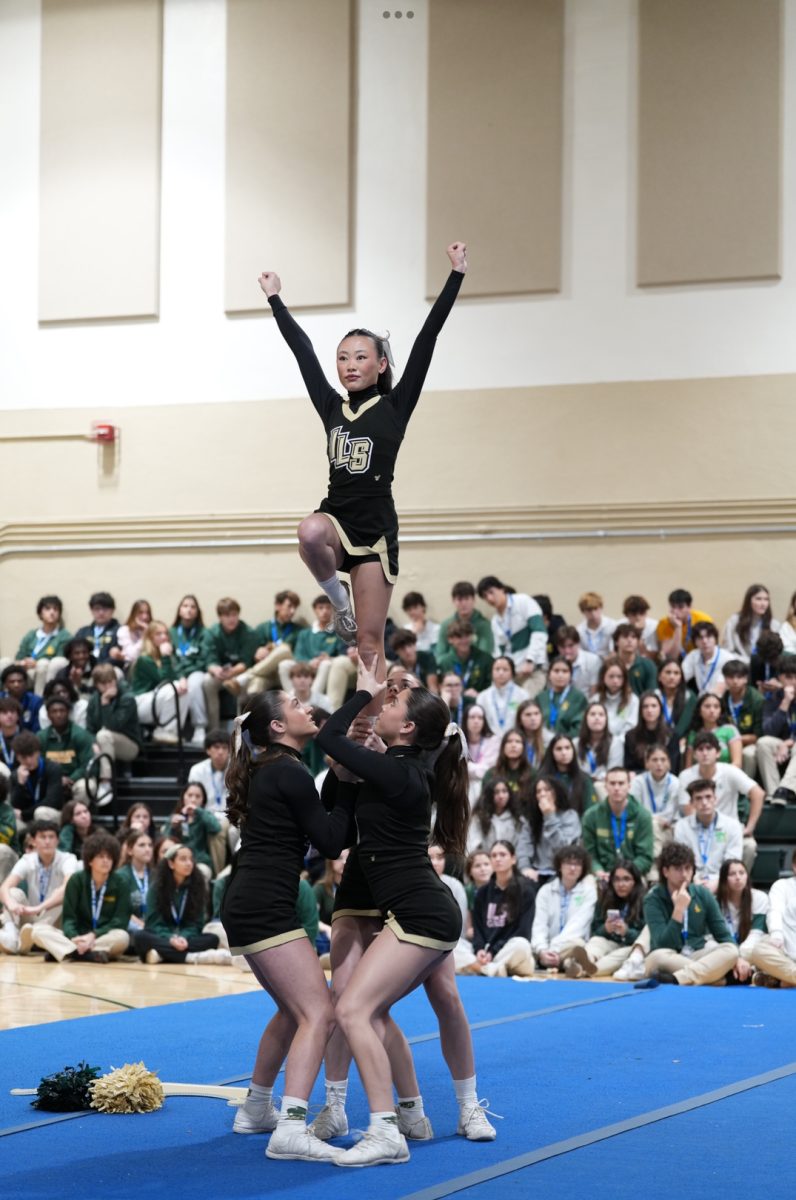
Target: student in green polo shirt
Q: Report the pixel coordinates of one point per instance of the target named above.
(41, 651)
(472, 665)
(463, 596)
(420, 663)
(641, 671)
(194, 826)
(96, 909)
(743, 706)
(68, 745)
(618, 827)
(276, 639)
(562, 704)
(682, 917)
(176, 912)
(112, 720)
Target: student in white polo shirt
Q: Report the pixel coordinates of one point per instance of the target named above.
(596, 630)
(713, 836)
(731, 783)
(702, 667)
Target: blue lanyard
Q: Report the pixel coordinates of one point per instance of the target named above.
(705, 839)
(684, 930)
(667, 712)
(703, 686)
(503, 717)
(42, 639)
(506, 623)
(618, 829)
(530, 754)
(44, 881)
(464, 672)
(651, 793)
(565, 897)
(556, 702)
(731, 924)
(185, 640)
(459, 712)
(34, 789)
(96, 903)
(8, 753)
(735, 709)
(592, 760)
(176, 913)
(143, 885)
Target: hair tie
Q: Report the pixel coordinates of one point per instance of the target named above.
(452, 729)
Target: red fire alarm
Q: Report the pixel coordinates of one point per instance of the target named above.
(102, 431)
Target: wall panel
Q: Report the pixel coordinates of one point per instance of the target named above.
(495, 141)
(289, 145)
(709, 140)
(99, 159)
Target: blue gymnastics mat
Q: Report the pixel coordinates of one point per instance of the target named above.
(598, 1085)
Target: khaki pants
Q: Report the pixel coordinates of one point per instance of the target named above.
(7, 859)
(264, 675)
(769, 769)
(55, 942)
(535, 682)
(704, 966)
(606, 955)
(115, 745)
(217, 845)
(51, 917)
(750, 760)
(769, 958)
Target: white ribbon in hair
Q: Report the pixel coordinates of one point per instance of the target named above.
(238, 723)
(457, 729)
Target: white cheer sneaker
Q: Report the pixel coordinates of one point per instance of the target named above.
(381, 1144)
(330, 1122)
(293, 1140)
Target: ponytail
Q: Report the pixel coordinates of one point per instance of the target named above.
(252, 746)
(446, 758)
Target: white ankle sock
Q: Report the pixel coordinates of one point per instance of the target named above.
(259, 1095)
(293, 1109)
(413, 1105)
(336, 1091)
(636, 955)
(466, 1094)
(335, 591)
(382, 1119)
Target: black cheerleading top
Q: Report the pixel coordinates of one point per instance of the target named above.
(365, 430)
(284, 814)
(393, 815)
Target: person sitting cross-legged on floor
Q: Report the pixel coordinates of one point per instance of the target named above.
(564, 908)
(744, 908)
(502, 919)
(616, 926)
(774, 956)
(176, 911)
(689, 939)
(96, 909)
(33, 892)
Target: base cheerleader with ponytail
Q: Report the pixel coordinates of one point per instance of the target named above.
(272, 798)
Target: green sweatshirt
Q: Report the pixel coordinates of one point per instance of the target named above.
(704, 917)
(310, 643)
(229, 649)
(749, 718)
(570, 710)
(115, 911)
(195, 833)
(642, 675)
(72, 750)
(156, 923)
(482, 628)
(147, 674)
(120, 715)
(475, 671)
(53, 647)
(631, 937)
(636, 844)
(190, 649)
(276, 632)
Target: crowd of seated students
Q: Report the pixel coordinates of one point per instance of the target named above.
(596, 750)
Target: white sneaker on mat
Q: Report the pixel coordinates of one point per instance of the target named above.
(473, 1123)
(217, 958)
(293, 1140)
(381, 1144)
(629, 971)
(9, 938)
(330, 1122)
(344, 621)
(414, 1128)
(254, 1117)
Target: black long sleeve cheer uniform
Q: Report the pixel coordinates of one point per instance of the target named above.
(285, 813)
(364, 433)
(393, 814)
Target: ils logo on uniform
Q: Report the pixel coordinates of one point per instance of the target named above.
(351, 453)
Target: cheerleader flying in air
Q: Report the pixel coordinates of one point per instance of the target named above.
(355, 529)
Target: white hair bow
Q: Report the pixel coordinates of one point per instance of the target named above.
(241, 734)
(385, 341)
(457, 729)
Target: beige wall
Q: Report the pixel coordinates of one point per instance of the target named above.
(208, 501)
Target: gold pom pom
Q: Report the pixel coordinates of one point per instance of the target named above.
(128, 1089)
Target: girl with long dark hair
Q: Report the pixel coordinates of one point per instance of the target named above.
(355, 528)
(708, 716)
(502, 919)
(652, 729)
(615, 692)
(482, 748)
(677, 701)
(512, 764)
(390, 873)
(744, 909)
(176, 911)
(273, 800)
(616, 926)
(553, 824)
(598, 749)
(742, 630)
(530, 723)
(498, 817)
(560, 762)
